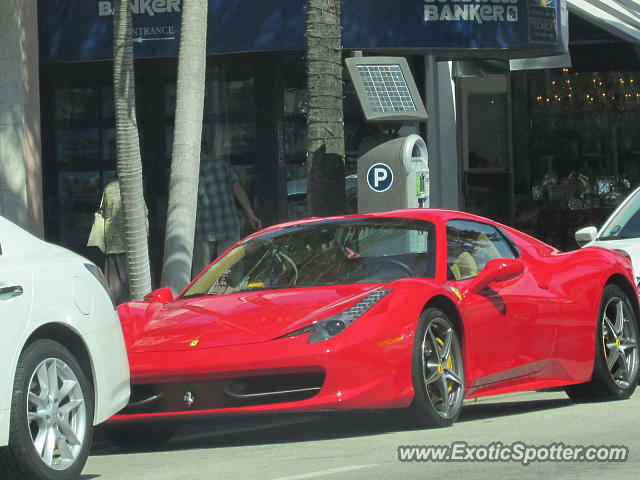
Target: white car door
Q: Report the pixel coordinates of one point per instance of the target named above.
(15, 307)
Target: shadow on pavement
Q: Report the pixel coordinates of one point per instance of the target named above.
(501, 409)
(220, 432)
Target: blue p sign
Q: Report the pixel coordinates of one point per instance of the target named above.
(379, 177)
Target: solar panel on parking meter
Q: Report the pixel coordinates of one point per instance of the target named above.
(385, 88)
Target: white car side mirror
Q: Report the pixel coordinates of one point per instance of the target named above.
(586, 235)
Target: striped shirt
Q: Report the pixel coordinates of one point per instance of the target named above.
(216, 218)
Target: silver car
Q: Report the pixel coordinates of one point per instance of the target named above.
(621, 231)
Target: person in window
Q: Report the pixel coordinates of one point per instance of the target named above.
(115, 265)
(217, 223)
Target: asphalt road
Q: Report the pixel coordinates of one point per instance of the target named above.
(350, 446)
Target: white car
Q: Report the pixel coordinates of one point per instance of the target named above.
(63, 361)
(621, 231)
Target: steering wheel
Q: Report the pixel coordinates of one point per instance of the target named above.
(315, 261)
(292, 263)
(379, 269)
(395, 263)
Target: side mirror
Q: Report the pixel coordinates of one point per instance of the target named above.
(496, 270)
(161, 295)
(586, 235)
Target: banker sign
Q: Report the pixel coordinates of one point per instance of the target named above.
(148, 7)
(478, 11)
(541, 14)
(162, 15)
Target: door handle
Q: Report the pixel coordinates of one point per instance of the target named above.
(12, 291)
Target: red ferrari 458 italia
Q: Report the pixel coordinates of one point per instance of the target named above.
(411, 309)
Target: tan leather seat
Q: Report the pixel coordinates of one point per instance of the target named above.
(484, 251)
(464, 267)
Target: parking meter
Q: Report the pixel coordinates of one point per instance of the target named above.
(394, 175)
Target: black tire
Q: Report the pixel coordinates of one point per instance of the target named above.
(140, 435)
(437, 372)
(52, 417)
(616, 365)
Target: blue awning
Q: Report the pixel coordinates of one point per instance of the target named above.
(81, 30)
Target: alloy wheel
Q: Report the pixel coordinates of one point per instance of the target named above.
(619, 342)
(442, 367)
(56, 413)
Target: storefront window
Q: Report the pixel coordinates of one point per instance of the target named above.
(487, 131)
(77, 104)
(485, 116)
(229, 122)
(359, 137)
(294, 138)
(82, 134)
(253, 115)
(584, 150)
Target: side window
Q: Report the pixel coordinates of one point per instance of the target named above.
(470, 245)
(512, 245)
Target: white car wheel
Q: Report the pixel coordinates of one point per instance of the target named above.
(51, 416)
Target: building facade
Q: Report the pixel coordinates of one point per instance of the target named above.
(489, 143)
(20, 160)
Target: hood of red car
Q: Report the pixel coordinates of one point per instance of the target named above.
(235, 319)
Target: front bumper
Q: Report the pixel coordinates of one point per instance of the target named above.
(110, 370)
(286, 374)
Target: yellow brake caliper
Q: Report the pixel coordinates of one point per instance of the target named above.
(449, 363)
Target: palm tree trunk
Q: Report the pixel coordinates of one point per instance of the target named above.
(185, 162)
(129, 163)
(325, 127)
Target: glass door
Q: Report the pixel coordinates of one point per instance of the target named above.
(486, 146)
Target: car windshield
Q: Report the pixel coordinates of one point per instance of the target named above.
(331, 252)
(626, 223)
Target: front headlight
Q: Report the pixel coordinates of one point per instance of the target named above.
(332, 326)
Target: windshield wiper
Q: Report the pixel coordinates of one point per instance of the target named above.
(260, 289)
